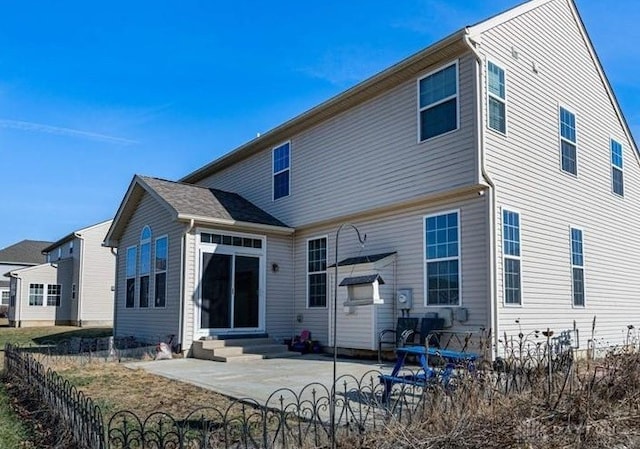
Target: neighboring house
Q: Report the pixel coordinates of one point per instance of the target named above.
(75, 286)
(493, 173)
(22, 254)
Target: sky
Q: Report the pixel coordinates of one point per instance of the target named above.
(92, 93)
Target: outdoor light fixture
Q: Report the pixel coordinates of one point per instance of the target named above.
(362, 238)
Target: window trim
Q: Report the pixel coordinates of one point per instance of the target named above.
(561, 139)
(43, 294)
(127, 277)
(425, 281)
(615, 167)
(308, 273)
(156, 272)
(59, 295)
(582, 267)
(274, 173)
(502, 100)
(419, 109)
(505, 256)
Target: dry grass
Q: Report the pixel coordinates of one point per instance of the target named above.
(115, 387)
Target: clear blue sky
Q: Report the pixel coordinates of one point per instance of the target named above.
(93, 92)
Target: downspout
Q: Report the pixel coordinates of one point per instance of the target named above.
(80, 294)
(183, 276)
(115, 290)
(480, 136)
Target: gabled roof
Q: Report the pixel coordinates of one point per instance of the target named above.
(71, 236)
(186, 202)
(26, 252)
(18, 271)
(441, 51)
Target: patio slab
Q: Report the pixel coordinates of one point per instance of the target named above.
(258, 380)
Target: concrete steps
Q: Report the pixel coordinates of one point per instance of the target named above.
(240, 349)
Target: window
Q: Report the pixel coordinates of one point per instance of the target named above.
(5, 298)
(53, 295)
(442, 259)
(569, 156)
(12, 294)
(511, 252)
(497, 101)
(438, 102)
(281, 170)
(577, 267)
(59, 253)
(145, 266)
(231, 240)
(71, 247)
(36, 294)
(617, 176)
(131, 277)
(161, 272)
(317, 272)
(73, 291)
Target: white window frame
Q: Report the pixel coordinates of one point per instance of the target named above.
(456, 96)
(156, 271)
(309, 273)
(426, 261)
(505, 256)
(496, 97)
(5, 294)
(58, 295)
(582, 267)
(614, 167)
(274, 172)
(562, 139)
(144, 241)
(42, 295)
(127, 276)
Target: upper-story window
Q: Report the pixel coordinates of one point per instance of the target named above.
(568, 142)
(71, 247)
(132, 254)
(442, 259)
(617, 175)
(281, 170)
(161, 272)
(59, 252)
(438, 102)
(145, 266)
(497, 98)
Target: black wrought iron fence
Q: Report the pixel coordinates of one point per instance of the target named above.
(296, 419)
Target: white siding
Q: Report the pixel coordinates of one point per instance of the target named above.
(37, 315)
(526, 169)
(402, 231)
(151, 324)
(366, 157)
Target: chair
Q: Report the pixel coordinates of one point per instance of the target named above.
(427, 327)
(403, 333)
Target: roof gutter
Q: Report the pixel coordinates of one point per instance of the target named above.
(480, 142)
(227, 222)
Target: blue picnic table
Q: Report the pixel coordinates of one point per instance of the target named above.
(425, 373)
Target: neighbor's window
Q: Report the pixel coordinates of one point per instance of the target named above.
(145, 266)
(617, 175)
(36, 294)
(511, 252)
(568, 148)
(497, 101)
(281, 170)
(161, 272)
(71, 247)
(73, 291)
(317, 272)
(5, 298)
(443, 259)
(131, 277)
(577, 267)
(53, 295)
(438, 102)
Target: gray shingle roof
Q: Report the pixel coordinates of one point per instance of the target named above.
(24, 252)
(189, 199)
(359, 280)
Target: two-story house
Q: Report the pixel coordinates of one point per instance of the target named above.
(75, 286)
(493, 173)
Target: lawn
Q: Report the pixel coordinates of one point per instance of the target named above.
(29, 336)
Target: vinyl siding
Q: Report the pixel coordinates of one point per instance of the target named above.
(150, 324)
(366, 157)
(402, 231)
(526, 169)
(41, 274)
(98, 270)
